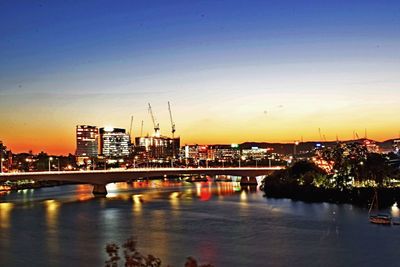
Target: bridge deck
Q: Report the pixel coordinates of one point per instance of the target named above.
(120, 175)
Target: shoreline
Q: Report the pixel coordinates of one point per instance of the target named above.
(361, 196)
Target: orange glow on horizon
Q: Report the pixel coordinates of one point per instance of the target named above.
(53, 144)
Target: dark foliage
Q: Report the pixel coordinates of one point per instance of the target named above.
(133, 258)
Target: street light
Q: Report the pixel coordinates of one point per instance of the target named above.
(50, 159)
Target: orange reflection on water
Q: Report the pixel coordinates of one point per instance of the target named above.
(84, 192)
(155, 183)
(5, 209)
(159, 239)
(137, 203)
(174, 199)
(243, 196)
(52, 211)
(204, 190)
(52, 208)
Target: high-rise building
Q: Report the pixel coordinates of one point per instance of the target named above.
(86, 141)
(114, 142)
(2, 150)
(5, 158)
(159, 147)
(396, 146)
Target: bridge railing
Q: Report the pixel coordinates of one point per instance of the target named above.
(142, 170)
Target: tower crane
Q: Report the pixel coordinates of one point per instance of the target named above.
(130, 129)
(141, 130)
(156, 125)
(172, 121)
(173, 134)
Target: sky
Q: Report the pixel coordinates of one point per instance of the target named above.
(234, 71)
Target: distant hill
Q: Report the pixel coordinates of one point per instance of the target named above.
(287, 148)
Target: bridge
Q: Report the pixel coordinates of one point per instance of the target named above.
(100, 178)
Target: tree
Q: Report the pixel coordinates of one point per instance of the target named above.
(348, 160)
(377, 168)
(133, 258)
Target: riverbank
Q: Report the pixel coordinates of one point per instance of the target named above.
(361, 196)
(36, 185)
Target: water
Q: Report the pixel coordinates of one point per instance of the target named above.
(219, 223)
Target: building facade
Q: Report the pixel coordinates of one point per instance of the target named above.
(87, 138)
(396, 146)
(114, 143)
(159, 147)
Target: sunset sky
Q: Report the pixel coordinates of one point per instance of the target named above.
(233, 71)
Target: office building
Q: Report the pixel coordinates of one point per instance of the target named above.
(87, 141)
(114, 142)
(159, 147)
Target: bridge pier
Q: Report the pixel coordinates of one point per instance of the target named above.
(248, 181)
(99, 190)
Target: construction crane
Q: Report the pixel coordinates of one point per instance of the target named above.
(320, 135)
(130, 129)
(172, 121)
(156, 125)
(173, 134)
(141, 130)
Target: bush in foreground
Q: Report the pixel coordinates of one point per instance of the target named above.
(133, 258)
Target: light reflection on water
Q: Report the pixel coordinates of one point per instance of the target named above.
(222, 223)
(395, 211)
(5, 209)
(52, 211)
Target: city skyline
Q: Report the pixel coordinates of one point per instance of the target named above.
(233, 71)
(322, 139)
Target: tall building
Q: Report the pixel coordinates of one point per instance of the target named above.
(114, 142)
(2, 150)
(86, 141)
(396, 146)
(5, 158)
(159, 147)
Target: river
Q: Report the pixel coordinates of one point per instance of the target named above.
(215, 222)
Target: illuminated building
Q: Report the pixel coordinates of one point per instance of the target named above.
(198, 152)
(2, 155)
(396, 146)
(158, 147)
(371, 146)
(224, 152)
(255, 153)
(5, 158)
(86, 141)
(2, 150)
(114, 142)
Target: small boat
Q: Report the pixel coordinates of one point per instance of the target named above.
(380, 218)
